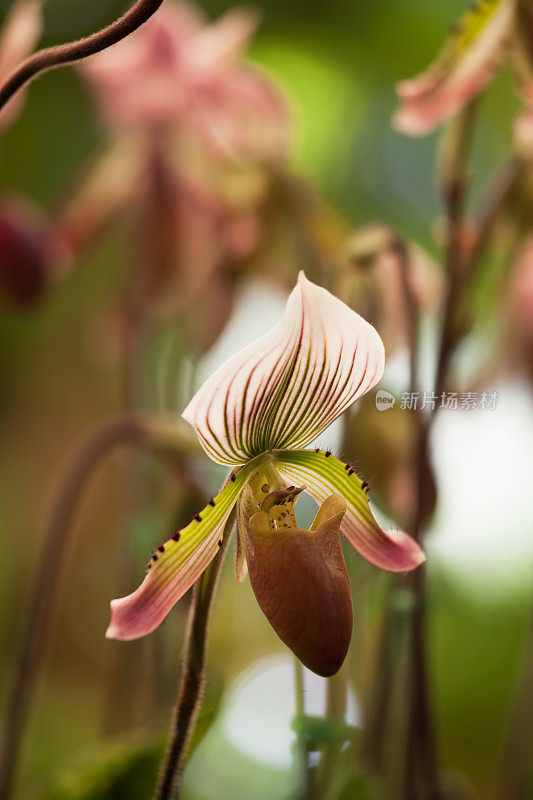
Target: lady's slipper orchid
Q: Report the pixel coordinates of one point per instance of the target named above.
(257, 413)
(477, 48)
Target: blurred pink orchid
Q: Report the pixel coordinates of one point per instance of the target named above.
(256, 414)
(178, 73)
(19, 35)
(197, 137)
(492, 32)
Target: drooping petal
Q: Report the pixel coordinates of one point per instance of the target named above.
(323, 474)
(223, 40)
(176, 565)
(288, 387)
(466, 64)
(301, 582)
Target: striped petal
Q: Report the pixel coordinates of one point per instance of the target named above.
(323, 474)
(288, 387)
(176, 565)
(468, 61)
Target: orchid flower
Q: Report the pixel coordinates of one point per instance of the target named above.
(492, 32)
(257, 414)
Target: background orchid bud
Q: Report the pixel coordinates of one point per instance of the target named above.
(384, 443)
(26, 251)
(301, 582)
(373, 280)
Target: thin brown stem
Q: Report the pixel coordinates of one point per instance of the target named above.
(454, 184)
(420, 777)
(420, 750)
(500, 187)
(53, 57)
(399, 248)
(306, 777)
(127, 429)
(192, 674)
(381, 690)
(373, 733)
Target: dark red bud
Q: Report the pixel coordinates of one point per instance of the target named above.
(23, 255)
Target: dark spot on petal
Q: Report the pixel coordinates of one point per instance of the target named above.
(317, 450)
(351, 471)
(347, 466)
(154, 557)
(327, 453)
(232, 476)
(212, 502)
(364, 485)
(161, 548)
(198, 518)
(176, 536)
(220, 542)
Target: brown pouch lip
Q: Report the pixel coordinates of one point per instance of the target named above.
(301, 583)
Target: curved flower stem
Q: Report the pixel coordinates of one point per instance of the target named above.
(192, 674)
(52, 57)
(127, 429)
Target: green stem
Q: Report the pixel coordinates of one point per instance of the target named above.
(336, 699)
(307, 787)
(192, 674)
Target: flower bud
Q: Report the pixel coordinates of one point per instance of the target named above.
(23, 255)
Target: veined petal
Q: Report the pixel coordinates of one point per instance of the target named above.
(286, 388)
(176, 565)
(466, 64)
(323, 474)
